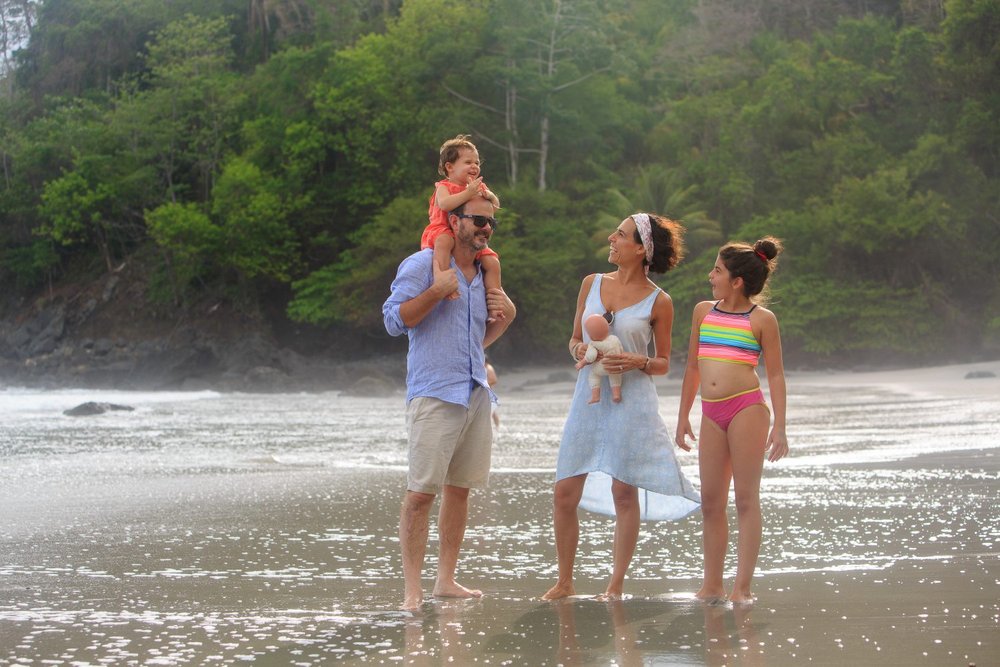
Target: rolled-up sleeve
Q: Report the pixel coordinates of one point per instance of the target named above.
(412, 278)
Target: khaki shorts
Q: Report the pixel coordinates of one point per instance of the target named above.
(449, 444)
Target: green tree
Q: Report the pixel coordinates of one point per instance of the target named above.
(189, 241)
(191, 105)
(253, 216)
(352, 289)
(78, 210)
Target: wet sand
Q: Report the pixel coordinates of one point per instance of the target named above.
(872, 562)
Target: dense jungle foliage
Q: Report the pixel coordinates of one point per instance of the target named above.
(286, 149)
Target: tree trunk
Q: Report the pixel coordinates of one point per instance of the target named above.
(510, 120)
(543, 152)
(550, 73)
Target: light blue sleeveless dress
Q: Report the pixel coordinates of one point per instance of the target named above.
(627, 441)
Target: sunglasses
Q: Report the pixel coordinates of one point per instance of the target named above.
(609, 316)
(480, 220)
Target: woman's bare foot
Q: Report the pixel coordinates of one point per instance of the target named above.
(455, 590)
(560, 591)
(743, 598)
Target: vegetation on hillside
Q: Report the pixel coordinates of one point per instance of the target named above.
(288, 147)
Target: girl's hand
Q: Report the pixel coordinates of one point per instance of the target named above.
(683, 432)
(472, 187)
(777, 445)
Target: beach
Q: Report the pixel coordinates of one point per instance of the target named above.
(208, 528)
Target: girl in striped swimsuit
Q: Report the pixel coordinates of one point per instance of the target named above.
(728, 335)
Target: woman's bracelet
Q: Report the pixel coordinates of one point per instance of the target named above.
(643, 369)
(572, 351)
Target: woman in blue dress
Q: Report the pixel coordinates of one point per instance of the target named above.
(617, 457)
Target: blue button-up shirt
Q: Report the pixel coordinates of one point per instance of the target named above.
(445, 359)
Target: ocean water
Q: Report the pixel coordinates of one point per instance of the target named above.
(209, 528)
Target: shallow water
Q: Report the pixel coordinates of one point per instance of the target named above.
(211, 528)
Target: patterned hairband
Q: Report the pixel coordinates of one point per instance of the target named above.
(761, 255)
(646, 234)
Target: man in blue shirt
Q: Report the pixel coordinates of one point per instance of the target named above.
(447, 394)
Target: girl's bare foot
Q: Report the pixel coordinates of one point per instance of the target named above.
(743, 598)
(711, 595)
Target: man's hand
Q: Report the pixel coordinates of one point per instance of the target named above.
(497, 302)
(445, 283)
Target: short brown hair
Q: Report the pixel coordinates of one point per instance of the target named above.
(451, 149)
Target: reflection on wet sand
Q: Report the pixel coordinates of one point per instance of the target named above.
(578, 630)
(731, 647)
(436, 634)
(232, 529)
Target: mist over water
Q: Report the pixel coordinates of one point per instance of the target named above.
(219, 528)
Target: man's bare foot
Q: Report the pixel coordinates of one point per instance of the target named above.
(559, 591)
(455, 590)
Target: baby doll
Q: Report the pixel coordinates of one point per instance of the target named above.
(605, 343)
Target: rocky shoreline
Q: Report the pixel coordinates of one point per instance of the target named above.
(187, 361)
(250, 365)
(102, 337)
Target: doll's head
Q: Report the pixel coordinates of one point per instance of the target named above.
(596, 326)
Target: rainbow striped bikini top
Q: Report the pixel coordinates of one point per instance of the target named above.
(728, 337)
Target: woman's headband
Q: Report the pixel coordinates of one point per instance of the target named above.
(646, 234)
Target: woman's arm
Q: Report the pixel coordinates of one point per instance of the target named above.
(576, 347)
(770, 343)
(662, 320)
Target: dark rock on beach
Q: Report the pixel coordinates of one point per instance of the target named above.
(978, 375)
(92, 408)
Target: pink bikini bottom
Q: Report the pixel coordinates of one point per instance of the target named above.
(722, 411)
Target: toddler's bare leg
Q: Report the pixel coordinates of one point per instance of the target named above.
(443, 245)
(491, 278)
